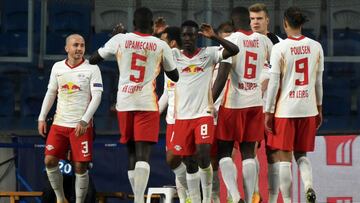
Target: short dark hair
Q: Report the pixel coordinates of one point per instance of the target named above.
(259, 7)
(294, 16)
(173, 33)
(190, 23)
(143, 18)
(240, 16)
(226, 27)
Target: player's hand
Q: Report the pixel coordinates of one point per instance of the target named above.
(159, 25)
(119, 28)
(269, 122)
(42, 128)
(81, 128)
(206, 30)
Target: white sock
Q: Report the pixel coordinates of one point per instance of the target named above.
(256, 189)
(273, 181)
(181, 191)
(249, 177)
(215, 188)
(305, 172)
(81, 186)
(131, 179)
(206, 178)
(56, 182)
(193, 183)
(229, 174)
(141, 177)
(285, 181)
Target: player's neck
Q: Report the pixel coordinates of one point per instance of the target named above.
(190, 51)
(293, 33)
(144, 31)
(74, 62)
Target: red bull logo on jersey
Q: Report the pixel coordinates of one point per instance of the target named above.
(70, 88)
(170, 84)
(192, 69)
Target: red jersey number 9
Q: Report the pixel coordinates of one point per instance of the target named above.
(140, 69)
(250, 69)
(301, 66)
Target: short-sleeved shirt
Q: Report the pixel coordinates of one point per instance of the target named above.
(298, 61)
(169, 87)
(139, 57)
(243, 88)
(73, 86)
(193, 98)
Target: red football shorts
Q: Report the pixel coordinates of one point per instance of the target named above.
(61, 139)
(139, 126)
(293, 134)
(190, 132)
(169, 136)
(242, 125)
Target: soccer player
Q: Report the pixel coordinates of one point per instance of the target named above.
(241, 111)
(194, 108)
(224, 30)
(172, 36)
(78, 88)
(139, 56)
(259, 22)
(294, 102)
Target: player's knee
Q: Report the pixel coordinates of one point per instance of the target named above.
(80, 167)
(191, 164)
(173, 160)
(204, 160)
(298, 155)
(51, 161)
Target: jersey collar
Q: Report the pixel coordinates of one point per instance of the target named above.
(297, 38)
(72, 67)
(191, 55)
(142, 34)
(246, 32)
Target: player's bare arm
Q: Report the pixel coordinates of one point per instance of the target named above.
(173, 75)
(95, 58)
(230, 49)
(220, 80)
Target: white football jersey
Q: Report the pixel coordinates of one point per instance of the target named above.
(169, 87)
(193, 97)
(139, 57)
(297, 60)
(73, 86)
(243, 89)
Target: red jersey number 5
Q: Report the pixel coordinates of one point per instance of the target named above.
(140, 69)
(301, 66)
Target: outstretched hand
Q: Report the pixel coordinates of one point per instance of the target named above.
(159, 25)
(206, 30)
(119, 28)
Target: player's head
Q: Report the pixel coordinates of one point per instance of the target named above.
(143, 19)
(189, 34)
(240, 17)
(294, 19)
(225, 29)
(171, 35)
(75, 46)
(259, 18)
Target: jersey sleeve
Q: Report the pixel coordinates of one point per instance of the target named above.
(275, 60)
(111, 47)
(168, 59)
(53, 84)
(216, 53)
(96, 80)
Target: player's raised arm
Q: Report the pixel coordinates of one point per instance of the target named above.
(221, 79)
(230, 48)
(95, 58)
(169, 64)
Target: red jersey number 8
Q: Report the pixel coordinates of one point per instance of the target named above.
(250, 69)
(135, 67)
(301, 66)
